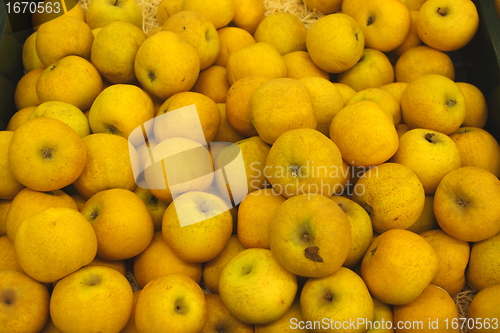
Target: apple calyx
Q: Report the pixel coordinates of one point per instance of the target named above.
(94, 214)
(93, 280)
(8, 297)
(370, 20)
(329, 297)
(311, 253)
(47, 153)
(151, 76)
(442, 11)
(430, 137)
(451, 102)
(112, 129)
(295, 170)
(219, 329)
(462, 203)
(179, 308)
(153, 200)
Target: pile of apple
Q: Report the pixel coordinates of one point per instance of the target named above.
(331, 178)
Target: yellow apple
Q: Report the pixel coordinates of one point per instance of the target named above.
(212, 82)
(110, 164)
(262, 59)
(434, 102)
(114, 50)
(62, 37)
(42, 237)
(121, 108)
(361, 229)
(182, 122)
(384, 23)
(103, 12)
(30, 57)
(398, 266)
(484, 309)
(293, 111)
(167, 8)
(447, 25)
(158, 259)
(45, 154)
(174, 301)
(226, 132)
(300, 65)
(476, 108)
(65, 112)
(10, 186)
(78, 296)
(29, 202)
(121, 223)
(421, 60)
(24, 303)
(430, 154)
(483, 264)
(384, 98)
(478, 148)
(288, 323)
(392, 194)
(383, 318)
(327, 101)
(339, 302)
(427, 220)
(453, 256)
(199, 32)
(364, 133)
(335, 42)
(25, 94)
(19, 117)
(465, 204)
(219, 12)
(412, 39)
(213, 268)
(197, 226)
(237, 100)
(310, 235)
(166, 64)
(254, 216)
(255, 288)
(156, 207)
(232, 39)
(64, 79)
(180, 165)
(433, 309)
(283, 30)
(304, 161)
(8, 258)
(220, 319)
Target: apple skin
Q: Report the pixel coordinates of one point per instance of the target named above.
(174, 301)
(337, 298)
(102, 12)
(256, 288)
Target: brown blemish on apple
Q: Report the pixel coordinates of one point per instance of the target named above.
(207, 36)
(47, 153)
(442, 11)
(374, 250)
(151, 76)
(8, 297)
(311, 253)
(430, 137)
(52, 67)
(112, 129)
(153, 200)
